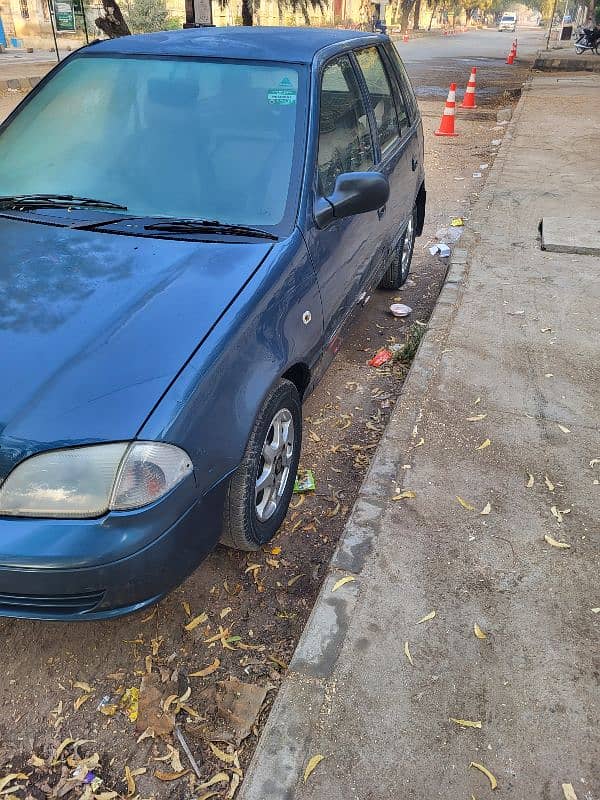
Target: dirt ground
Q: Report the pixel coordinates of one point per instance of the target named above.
(69, 696)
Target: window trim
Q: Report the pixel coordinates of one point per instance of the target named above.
(375, 151)
(403, 81)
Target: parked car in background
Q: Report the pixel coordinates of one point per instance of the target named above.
(189, 220)
(508, 22)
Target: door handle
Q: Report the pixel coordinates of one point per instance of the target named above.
(381, 211)
(414, 163)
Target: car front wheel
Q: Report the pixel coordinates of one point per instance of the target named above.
(261, 488)
(397, 271)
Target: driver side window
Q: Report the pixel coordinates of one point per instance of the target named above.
(345, 143)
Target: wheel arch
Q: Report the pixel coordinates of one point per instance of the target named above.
(421, 203)
(298, 374)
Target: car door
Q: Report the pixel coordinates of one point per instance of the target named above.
(393, 145)
(343, 250)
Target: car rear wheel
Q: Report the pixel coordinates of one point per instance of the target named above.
(261, 489)
(399, 267)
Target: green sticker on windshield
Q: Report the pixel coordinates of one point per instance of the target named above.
(283, 95)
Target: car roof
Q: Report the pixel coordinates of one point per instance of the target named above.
(254, 43)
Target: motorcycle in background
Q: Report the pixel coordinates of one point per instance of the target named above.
(587, 39)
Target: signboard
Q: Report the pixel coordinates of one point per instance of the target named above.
(64, 15)
(198, 12)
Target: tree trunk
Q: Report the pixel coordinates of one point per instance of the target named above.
(432, 14)
(112, 23)
(247, 12)
(417, 15)
(404, 18)
(304, 9)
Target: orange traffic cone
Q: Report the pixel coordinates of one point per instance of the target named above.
(510, 58)
(405, 38)
(447, 122)
(514, 47)
(469, 98)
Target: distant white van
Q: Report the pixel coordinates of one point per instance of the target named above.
(508, 22)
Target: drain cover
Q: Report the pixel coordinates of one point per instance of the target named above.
(569, 235)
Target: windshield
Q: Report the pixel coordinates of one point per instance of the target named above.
(215, 140)
(508, 18)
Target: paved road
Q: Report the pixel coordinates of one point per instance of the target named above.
(433, 63)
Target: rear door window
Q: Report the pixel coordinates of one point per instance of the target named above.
(405, 85)
(381, 95)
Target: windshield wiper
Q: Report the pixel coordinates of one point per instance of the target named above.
(207, 226)
(26, 201)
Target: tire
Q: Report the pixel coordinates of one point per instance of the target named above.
(579, 50)
(399, 268)
(252, 517)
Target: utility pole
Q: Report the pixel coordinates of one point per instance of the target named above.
(550, 25)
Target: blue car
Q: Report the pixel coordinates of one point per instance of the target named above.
(188, 221)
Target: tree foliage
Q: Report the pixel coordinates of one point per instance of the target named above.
(146, 16)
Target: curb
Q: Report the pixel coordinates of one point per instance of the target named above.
(19, 84)
(283, 748)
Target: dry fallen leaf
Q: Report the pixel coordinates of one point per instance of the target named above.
(170, 776)
(80, 701)
(486, 509)
(226, 758)
(187, 608)
(219, 777)
(342, 581)
(476, 418)
(407, 653)
(486, 772)
(548, 483)
(556, 513)
(193, 623)
(464, 504)
(275, 551)
(202, 673)
(477, 401)
(312, 765)
(568, 791)
(235, 782)
(84, 686)
(563, 428)
(483, 445)
(293, 580)
(208, 795)
(530, 480)
(408, 494)
(555, 543)
(479, 633)
(420, 443)
(465, 723)
(13, 776)
(130, 782)
(426, 618)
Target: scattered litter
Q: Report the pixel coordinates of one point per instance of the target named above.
(129, 703)
(459, 179)
(441, 248)
(517, 313)
(563, 428)
(187, 751)
(477, 175)
(486, 509)
(238, 705)
(400, 310)
(457, 222)
(305, 481)
(483, 166)
(449, 234)
(380, 357)
(496, 142)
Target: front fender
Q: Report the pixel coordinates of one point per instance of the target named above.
(210, 408)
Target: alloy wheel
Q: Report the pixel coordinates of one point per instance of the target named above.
(274, 466)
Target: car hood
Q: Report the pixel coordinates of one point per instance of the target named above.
(95, 326)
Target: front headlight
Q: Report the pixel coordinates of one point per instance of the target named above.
(89, 481)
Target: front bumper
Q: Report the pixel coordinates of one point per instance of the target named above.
(107, 567)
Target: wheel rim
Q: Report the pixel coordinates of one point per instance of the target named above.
(274, 466)
(407, 246)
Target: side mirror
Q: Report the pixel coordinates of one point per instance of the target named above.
(353, 193)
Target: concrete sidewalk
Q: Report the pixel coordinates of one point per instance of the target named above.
(511, 357)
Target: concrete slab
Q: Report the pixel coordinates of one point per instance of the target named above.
(571, 235)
